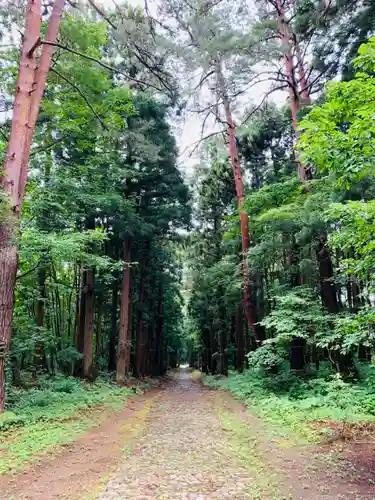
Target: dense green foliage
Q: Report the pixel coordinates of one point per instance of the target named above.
(124, 266)
(103, 174)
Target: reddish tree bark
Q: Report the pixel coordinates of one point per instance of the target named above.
(10, 178)
(86, 322)
(29, 90)
(287, 45)
(123, 339)
(240, 194)
(302, 75)
(294, 98)
(39, 86)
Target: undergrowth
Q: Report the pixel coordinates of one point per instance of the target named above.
(55, 413)
(295, 402)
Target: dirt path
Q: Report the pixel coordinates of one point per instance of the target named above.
(186, 442)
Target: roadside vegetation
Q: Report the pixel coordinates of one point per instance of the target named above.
(317, 407)
(40, 420)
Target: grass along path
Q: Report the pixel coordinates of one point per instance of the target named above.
(80, 468)
(41, 421)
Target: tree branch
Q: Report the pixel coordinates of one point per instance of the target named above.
(137, 52)
(49, 146)
(97, 61)
(254, 110)
(196, 144)
(28, 272)
(3, 134)
(74, 86)
(101, 14)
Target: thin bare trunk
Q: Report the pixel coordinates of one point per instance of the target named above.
(302, 76)
(39, 318)
(159, 368)
(77, 285)
(89, 324)
(123, 340)
(140, 334)
(240, 344)
(113, 334)
(98, 336)
(80, 339)
(130, 329)
(240, 193)
(328, 290)
(294, 99)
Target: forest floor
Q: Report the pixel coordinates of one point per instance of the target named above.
(186, 441)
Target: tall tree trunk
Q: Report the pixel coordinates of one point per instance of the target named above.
(113, 334)
(287, 47)
(38, 90)
(8, 270)
(130, 330)
(39, 317)
(302, 75)
(78, 285)
(140, 334)
(13, 178)
(327, 286)
(294, 98)
(240, 347)
(98, 336)
(40, 304)
(220, 350)
(159, 369)
(88, 325)
(240, 193)
(123, 339)
(9, 181)
(80, 339)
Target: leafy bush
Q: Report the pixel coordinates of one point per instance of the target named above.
(67, 358)
(57, 398)
(297, 313)
(268, 358)
(67, 385)
(9, 419)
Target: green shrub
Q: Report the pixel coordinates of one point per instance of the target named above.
(57, 398)
(67, 385)
(9, 419)
(268, 358)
